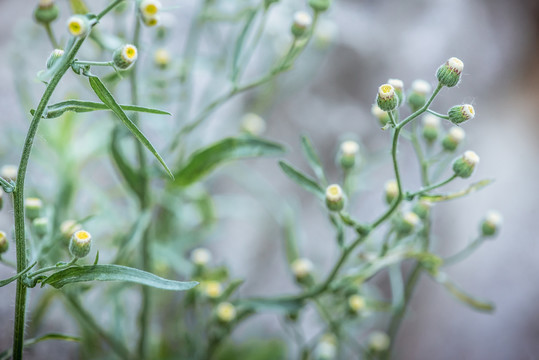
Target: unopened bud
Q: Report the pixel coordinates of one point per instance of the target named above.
(326, 349)
(461, 113)
(78, 26)
(55, 55)
(391, 191)
(386, 98)
(454, 137)
(69, 227)
(398, 85)
(407, 223)
(319, 5)
(302, 268)
(380, 114)
(334, 198)
(301, 23)
(213, 289)
(46, 12)
(4, 244)
(124, 56)
(201, 256)
(465, 165)
(418, 94)
(80, 244)
(491, 223)
(9, 172)
(356, 303)
(151, 21)
(379, 341)
(253, 124)
(226, 312)
(431, 128)
(32, 208)
(41, 226)
(349, 152)
(449, 73)
(162, 58)
(422, 208)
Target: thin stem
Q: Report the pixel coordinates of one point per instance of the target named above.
(391, 118)
(54, 267)
(95, 63)
(423, 162)
(438, 114)
(464, 253)
(108, 8)
(51, 36)
(18, 199)
(423, 108)
(431, 187)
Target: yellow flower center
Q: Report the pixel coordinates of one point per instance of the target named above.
(75, 27)
(333, 190)
(471, 109)
(130, 52)
(151, 9)
(386, 89)
(82, 235)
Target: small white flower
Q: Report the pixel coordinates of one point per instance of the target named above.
(253, 124)
(334, 193)
(149, 8)
(379, 341)
(212, 289)
(411, 218)
(468, 111)
(349, 148)
(78, 26)
(494, 218)
(471, 158)
(455, 65)
(392, 188)
(456, 134)
(396, 83)
(356, 303)
(201, 256)
(386, 91)
(430, 120)
(161, 57)
(226, 312)
(302, 20)
(302, 267)
(421, 87)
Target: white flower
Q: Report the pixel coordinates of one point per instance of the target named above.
(386, 91)
(302, 267)
(302, 19)
(471, 158)
(349, 148)
(201, 256)
(456, 134)
(455, 64)
(421, 87)
(430, 120)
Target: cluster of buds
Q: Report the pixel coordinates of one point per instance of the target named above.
(46, 12)
(4, 244)
(449, 73)
(417, 97)
(302, 22)
(349, 153)
(253, 124)
(431, 128)
(461, 113)
(124, 56)
(386, 98)
(334, 198)
(454, 137)
(491, 223)
(78, 26)
(80, 244)
(226, 312)
(32, 208)
(465, 165)
(149, 12)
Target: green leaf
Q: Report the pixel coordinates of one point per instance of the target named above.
(78, 106)
(231, 288)
(302, 180)
(459, 294)
(85, 273)
(106, 97)
(290, 237)
(313, 159)
(206, 159)
(472, 188)
(6, 354)
(239, 43)
(133, 180)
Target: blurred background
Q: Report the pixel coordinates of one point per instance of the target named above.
(328, 95)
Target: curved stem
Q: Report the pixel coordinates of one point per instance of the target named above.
(464, 253)
(442, 116)
(431, 187)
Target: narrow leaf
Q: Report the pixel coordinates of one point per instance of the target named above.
(302, 180)
(473, 187)
(114, 273)
(130, 176)
(106, 97)
(313, 159)
(78, 106)
(15, 277)
(239, 44)
(290, 237)
(459, 294)
(206, 159)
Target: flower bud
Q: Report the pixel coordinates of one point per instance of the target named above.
(418, 95)
(32, 208)
(253, 124)
(449, 73)
(398, 85)
(55, 55)
(4, 244)
(334, 198)
(453, 138)
(349, 152)
(380, 114)
(302, 268)
(391, 191)
(78, 26)
(149, 8)
(301, 23)
(491, 223)
(356, 303)
(319, 5)
(422, 208)
(80, 244)
(201, 256)
(379, 341)
(213, 289)
(326, 349)
(124, 56)
(9, 172)
(161, 58)
(226, 312)
(46, 12)
(465, 165)
(460, 113)
(407, 223)
(69, 227)
(41, 226)
(386, 98)
(151, 21)
(431, 127)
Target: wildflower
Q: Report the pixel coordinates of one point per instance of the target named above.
(80, 244)
(125, 56)
(302, 21)
(453, 138)
(226, 312)
(213, 289)
(465, 165)
(379, 341)
(491, 223)
(32, 207)
(149, 11)
(349, 151)
(398, 85)
(380, 114)
(449, 73)
(461, 113)
(356, 303)
(162, 58)
(334, 198)
(386, 98)
(418, 94)
(431, 127)
(46, 12)
(201, 256)
(253, 124)
(302, 268)
(391, 191)
(326, 349)
(78, 26)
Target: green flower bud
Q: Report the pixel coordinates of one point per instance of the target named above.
(68, 228)
(491, 223)
(253, 124)
(386, 98)
(80, 244)
(334, 198)
(453, 138)
(9, 172)
(161, 58)
(319, 5)
(391, 191)
(124, 56)
(465, 165)
(461, 113)
(380, 114)
(449, 73)
(326, 349)
(54, 57)
(356, 303)
(226, 312)
(151, 21)
(379, 341)
(431, 128)
(418, 94)
(349, 152)
(398, 85)
(422, 208)
(32, 207)
(78, 26)
(212, 289)
(46, 12)
(41, 226)
(301, 23)
(302, 270)
(406, 223)
(4, 244)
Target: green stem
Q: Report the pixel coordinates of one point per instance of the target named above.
(108, 8)
(410, 196)
(423, 162)
(438, 114)
(95, 63)
(54, 267)
(464, 253)
(51, 36)
(423, 108)
(18, 199)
